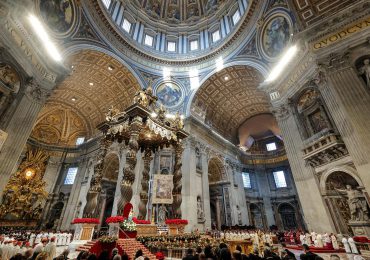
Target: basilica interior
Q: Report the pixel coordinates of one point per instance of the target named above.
(222, 112)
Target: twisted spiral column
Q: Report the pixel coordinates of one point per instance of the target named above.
(129, 169)
(177, 183)
(95, 184)
(145, 184)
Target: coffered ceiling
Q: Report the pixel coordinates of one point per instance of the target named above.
(97, 82)
(312, 11)
(230, 97)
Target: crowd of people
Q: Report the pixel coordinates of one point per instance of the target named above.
(46, 249)
(22, 245)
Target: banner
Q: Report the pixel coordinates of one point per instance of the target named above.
(162, 189)
(3, 136)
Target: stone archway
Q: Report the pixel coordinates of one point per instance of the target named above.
(216, 175)
(288, 216)
(337, 202)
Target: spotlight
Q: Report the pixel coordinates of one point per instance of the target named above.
(44, 37)
(91, 84)
(283, 62)
(110, 68)
(226, 78)
(73, 99)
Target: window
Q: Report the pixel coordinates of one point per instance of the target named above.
(279, 178)
(236, 17)
(271, 147)
(216, 36)
(126, 25)
(193, 45)
(171, 46)
(148, 40)
(247, 180)
(80, 140)
(106, 3)
(71, 176)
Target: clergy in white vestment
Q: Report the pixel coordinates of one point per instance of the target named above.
(308, 239)
(69, 237)
(51, 249)
(346, 245)
(319, 241)
(64, 238)
(38, 239)
(352, 245)
(32, 239)
(334, 241)
(5, 250)
(58, 238)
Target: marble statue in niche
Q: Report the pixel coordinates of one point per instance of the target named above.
(239, 213)
(357, 203)
(9, 77)
(276, 36)
(58, 14)
(364, 71)
(198, 160)
(200, 211)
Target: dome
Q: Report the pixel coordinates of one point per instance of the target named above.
(176, 29)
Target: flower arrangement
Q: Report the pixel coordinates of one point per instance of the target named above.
(128, 225)
(115, 219)
(141, 222)
(85, 221)
(176, 221)
(107, 239)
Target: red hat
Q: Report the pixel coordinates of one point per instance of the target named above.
(52, 239)
(19, 243)
(27, 244)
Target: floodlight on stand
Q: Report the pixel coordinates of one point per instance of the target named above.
(283, 62)
(41, 33)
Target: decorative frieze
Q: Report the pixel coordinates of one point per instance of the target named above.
(324, 149)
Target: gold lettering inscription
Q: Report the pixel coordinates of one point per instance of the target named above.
(345, 33)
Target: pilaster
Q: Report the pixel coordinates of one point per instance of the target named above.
(315, 213)
(19, 129)
(74, 195)
(348, 102)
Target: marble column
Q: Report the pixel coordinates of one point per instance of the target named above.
(19, 129)
(189, 195)
(315, 213)
(218, 216)
(103, 199)
(264, 190)
(51, 173)
(73, 199)
(348, 102)
(205, 190)
(117, 193)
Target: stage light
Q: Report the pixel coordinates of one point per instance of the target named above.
(281, 65)
(44, 38)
